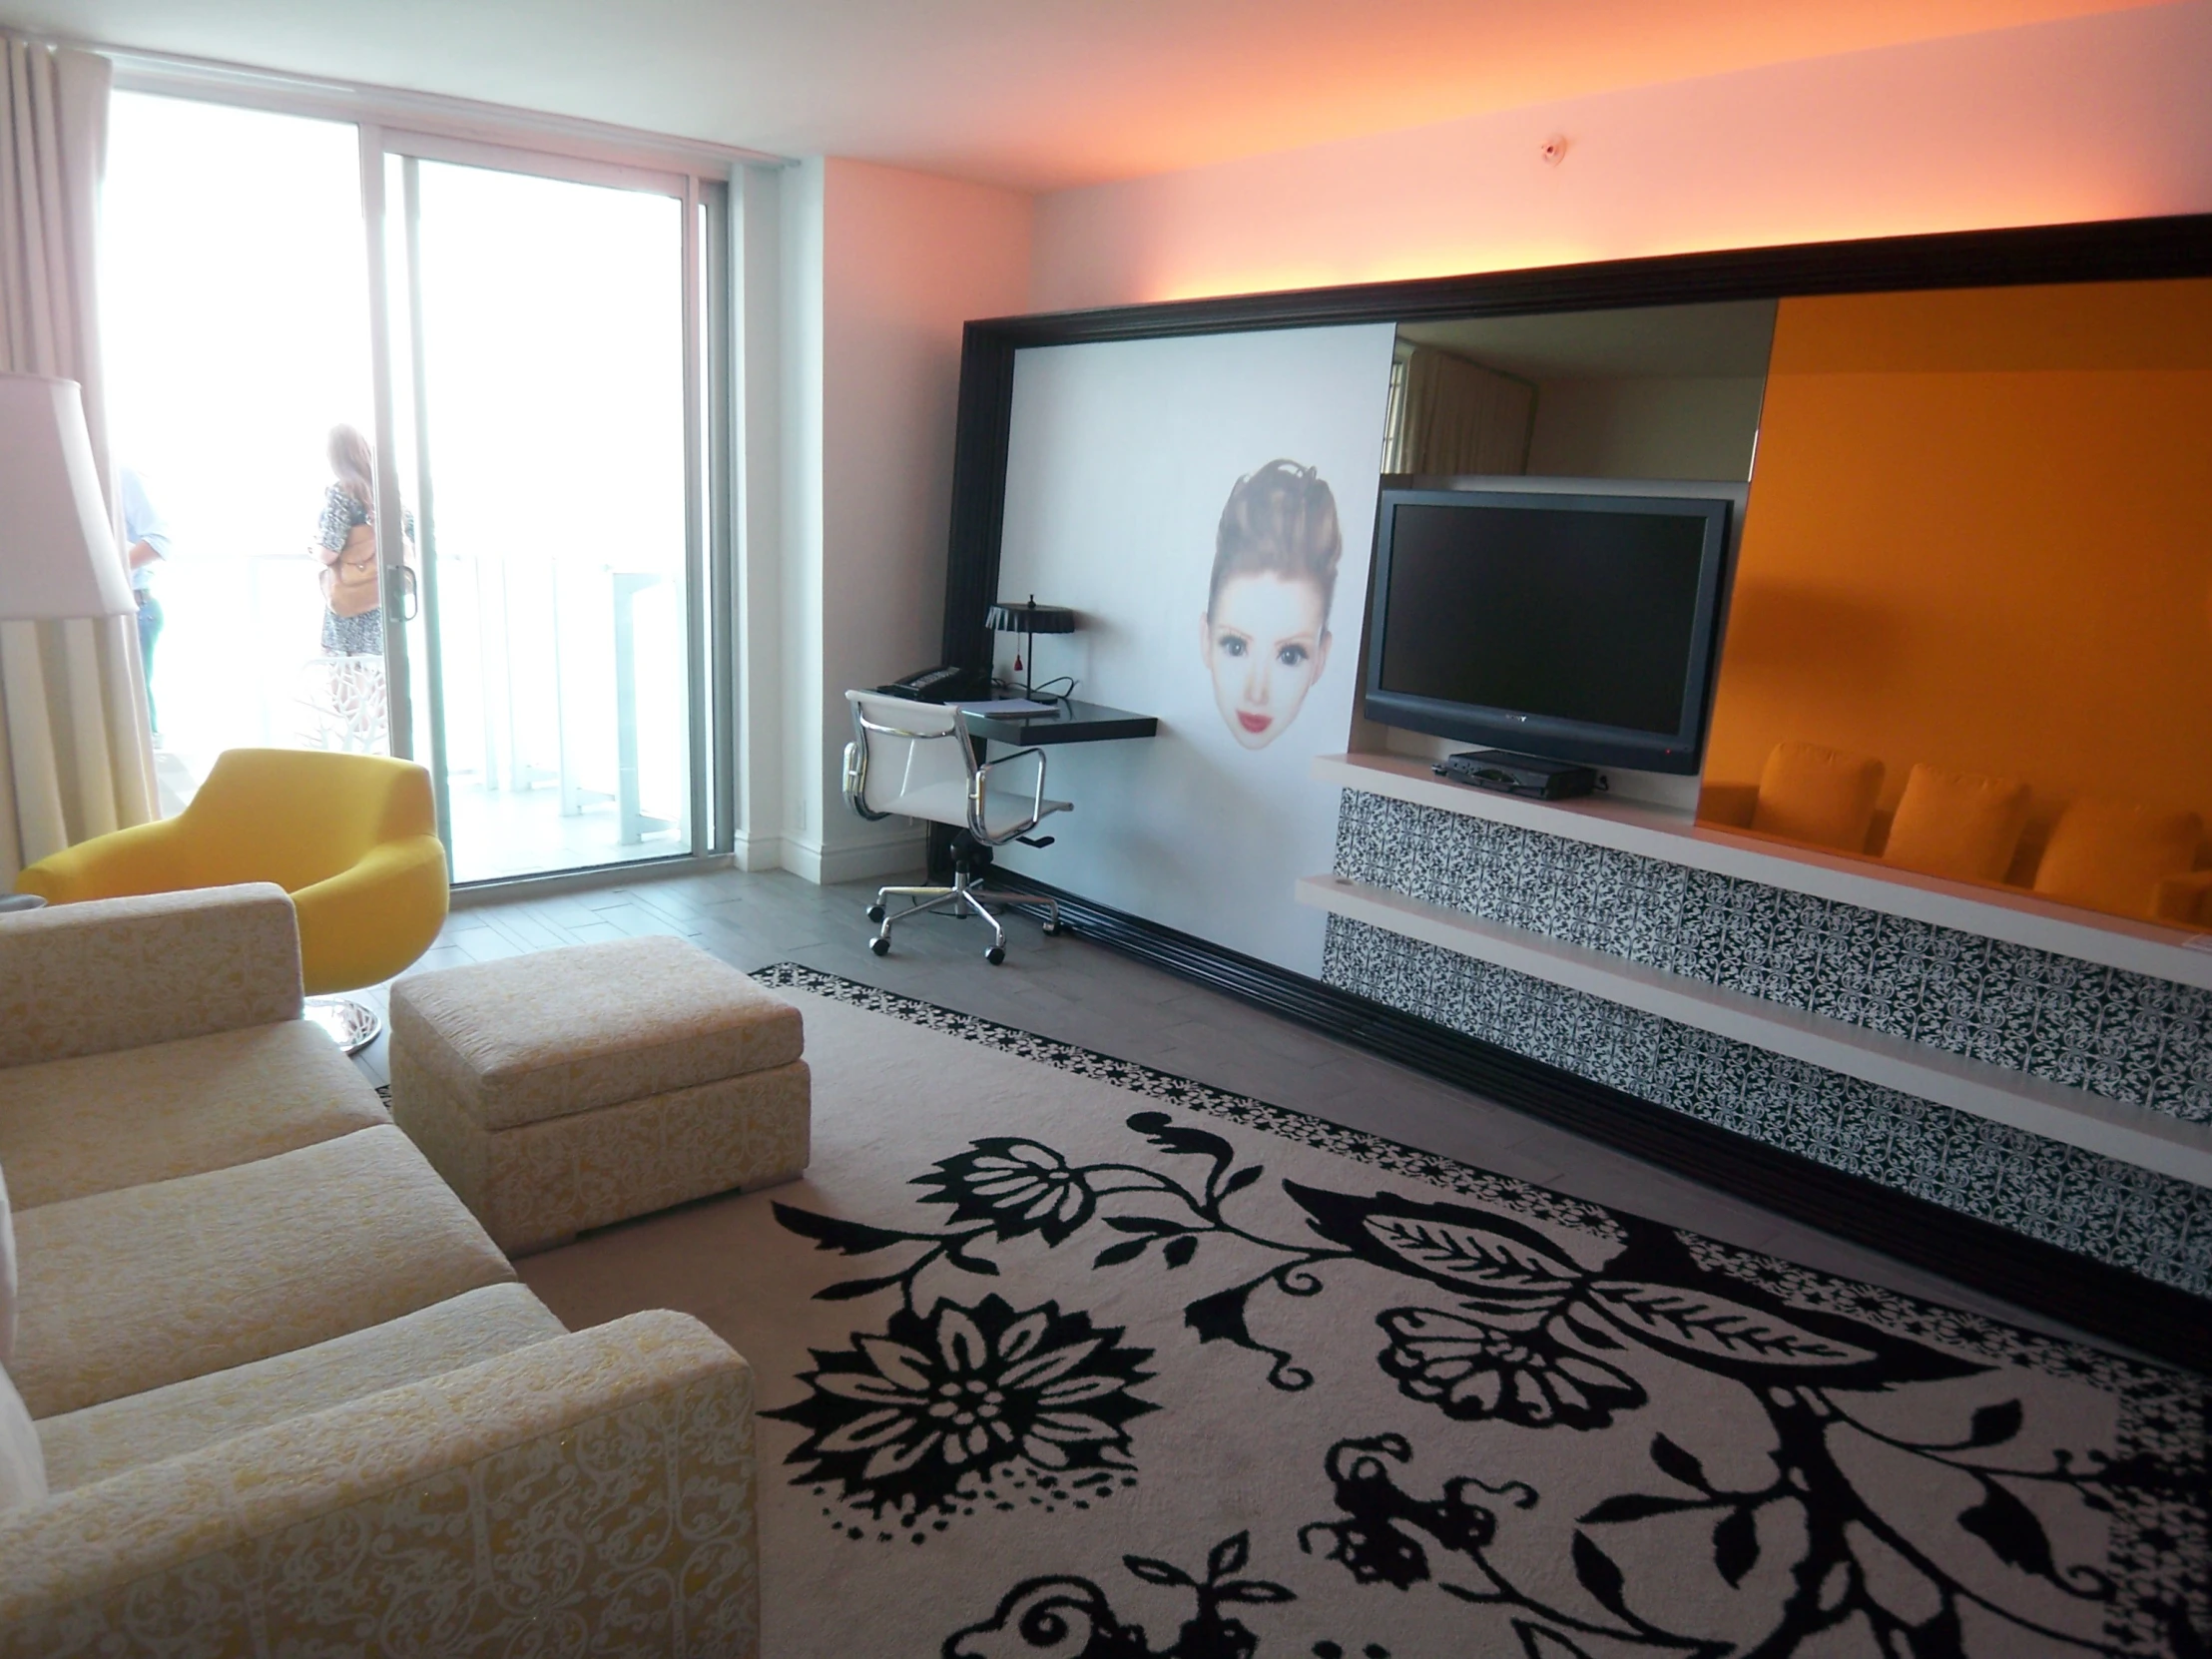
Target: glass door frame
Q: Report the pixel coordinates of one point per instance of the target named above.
(711, 178)
(707, 302)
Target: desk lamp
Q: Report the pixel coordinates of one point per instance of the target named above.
(59, 558)
(1030, 620)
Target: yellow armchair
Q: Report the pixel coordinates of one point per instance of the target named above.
(353, 839)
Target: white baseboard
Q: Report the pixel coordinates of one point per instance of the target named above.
(829, 865)
(755, 852)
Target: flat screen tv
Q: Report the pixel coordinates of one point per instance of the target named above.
(1575, 627)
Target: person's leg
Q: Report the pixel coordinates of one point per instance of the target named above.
(149, 630)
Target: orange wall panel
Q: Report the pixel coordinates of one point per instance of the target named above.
(1980, 536)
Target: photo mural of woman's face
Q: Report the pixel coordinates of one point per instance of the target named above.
(1206, 504)
(1265, 635)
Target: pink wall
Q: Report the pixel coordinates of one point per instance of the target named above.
(906, 259)
(2092, 118)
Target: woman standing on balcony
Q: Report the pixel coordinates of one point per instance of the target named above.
(345, 541)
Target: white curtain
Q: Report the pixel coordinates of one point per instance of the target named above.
(76, 753)
(1452, 415)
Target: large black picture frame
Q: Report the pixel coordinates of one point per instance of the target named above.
(2089, 1295)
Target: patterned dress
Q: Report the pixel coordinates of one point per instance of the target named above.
(347, 636)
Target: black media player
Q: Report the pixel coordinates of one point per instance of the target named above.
(1508, 773)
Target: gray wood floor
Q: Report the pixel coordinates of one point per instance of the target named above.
(1086, 994)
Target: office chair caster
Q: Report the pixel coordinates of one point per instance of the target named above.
(876, 913)
(881, 945)
(995, 956)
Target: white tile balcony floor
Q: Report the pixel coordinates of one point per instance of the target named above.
(524, 833)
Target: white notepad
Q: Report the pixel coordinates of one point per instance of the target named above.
(1008, 708)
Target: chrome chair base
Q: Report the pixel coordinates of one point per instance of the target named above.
(965, 895)
(353, 1025)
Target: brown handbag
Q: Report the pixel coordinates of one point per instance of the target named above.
(349, 586)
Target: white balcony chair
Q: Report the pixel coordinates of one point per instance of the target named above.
(343, 706)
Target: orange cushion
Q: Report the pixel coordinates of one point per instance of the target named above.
(1821, 796)
(2186, 899)
(2112, 855)
(1958, 824)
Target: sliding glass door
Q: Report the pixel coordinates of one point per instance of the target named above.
(498, 359)
(236, 328)
(540, 399)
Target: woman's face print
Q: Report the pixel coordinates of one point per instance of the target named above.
(1265, 643)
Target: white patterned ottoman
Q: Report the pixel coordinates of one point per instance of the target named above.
(576, 1087)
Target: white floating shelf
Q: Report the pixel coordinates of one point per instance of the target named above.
(2172, 953)
(2131, 1134)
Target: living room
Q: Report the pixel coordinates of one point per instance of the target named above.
(930, 342)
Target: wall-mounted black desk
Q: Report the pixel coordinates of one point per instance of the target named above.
(1075, 722)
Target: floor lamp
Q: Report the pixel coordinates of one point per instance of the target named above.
(58, 554)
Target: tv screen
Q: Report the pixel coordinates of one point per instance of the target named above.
(1577, 627)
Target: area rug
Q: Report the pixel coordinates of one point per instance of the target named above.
(1062, 1356)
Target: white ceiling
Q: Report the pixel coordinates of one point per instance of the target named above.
(1033, 94)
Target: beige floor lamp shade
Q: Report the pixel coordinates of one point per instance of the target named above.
(58, 552)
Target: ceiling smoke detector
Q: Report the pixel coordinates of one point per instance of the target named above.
(1553, 149)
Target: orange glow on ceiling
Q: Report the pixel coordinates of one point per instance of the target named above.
(1011, 92)
(1308, 78)
(1384, 266)
(1619, 219)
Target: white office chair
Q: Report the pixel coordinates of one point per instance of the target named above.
(913, 760)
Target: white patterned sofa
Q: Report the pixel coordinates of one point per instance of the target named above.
(270, 1388)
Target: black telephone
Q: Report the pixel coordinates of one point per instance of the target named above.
(940, 684)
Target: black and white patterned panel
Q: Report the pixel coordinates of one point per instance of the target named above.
(2133, 1218)
(2123, 1035)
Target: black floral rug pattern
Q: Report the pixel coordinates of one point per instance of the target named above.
(1528, 1425)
